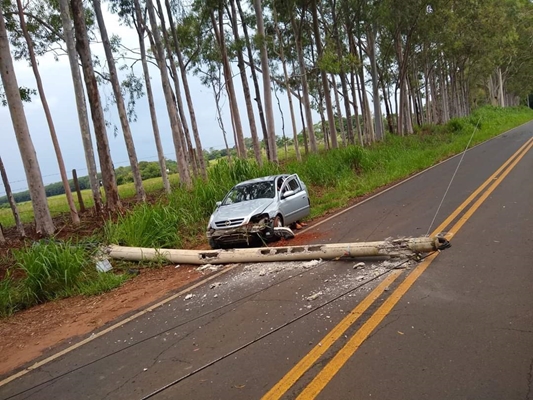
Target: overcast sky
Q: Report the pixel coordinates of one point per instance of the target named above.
(57, 83)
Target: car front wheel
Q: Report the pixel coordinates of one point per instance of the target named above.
(214, 244)
(278, 222)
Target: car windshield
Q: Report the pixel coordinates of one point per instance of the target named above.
(252, 191)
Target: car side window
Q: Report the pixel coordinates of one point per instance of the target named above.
(294, 185)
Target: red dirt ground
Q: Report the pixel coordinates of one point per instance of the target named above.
(27, 334)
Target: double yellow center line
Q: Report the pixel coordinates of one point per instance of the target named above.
(336, 363)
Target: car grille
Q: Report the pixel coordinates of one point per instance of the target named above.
(230, 223)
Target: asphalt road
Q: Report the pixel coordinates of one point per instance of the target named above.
(456, 326)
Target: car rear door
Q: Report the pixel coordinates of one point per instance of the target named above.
(296, 206)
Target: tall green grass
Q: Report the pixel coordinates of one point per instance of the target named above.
(52, 270)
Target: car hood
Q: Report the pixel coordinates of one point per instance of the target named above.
(244, 209)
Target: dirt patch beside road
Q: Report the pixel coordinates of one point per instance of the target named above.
(31, 333)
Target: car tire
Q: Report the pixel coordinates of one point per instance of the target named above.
(214, 244)
(278, 221)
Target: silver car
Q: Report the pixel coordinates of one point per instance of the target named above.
(252, 209)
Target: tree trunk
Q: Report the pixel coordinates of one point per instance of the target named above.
(11, 200)
(344, 85)
(81, 105)
(43, 220)
(183, 169)
(501, 98)
(304, 132)
(119, 99)
(305, 87)
(188, 97)
(378, 119)
(232, 98)
(61, 163)
(245, 87)
(97, 113)
(267, 90)
(185, 138)
(140, 26)
(324, 78)
(254, 79)
(287, 86)
(339, 112)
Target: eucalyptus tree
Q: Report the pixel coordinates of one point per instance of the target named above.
(185, 138)
(253, 72)
(267, 87)
(286, 81)
(81, 105)
(185, 80)
(119, 100)
(97, 114)
(43, 219)
(139, 21)
(323, 75)
(298, 29)
(183, 169)
(33, 61)
(238, 46)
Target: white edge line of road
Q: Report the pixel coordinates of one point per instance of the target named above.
(216, 275)
(114, 326)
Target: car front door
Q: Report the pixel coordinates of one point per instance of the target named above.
(296, 205)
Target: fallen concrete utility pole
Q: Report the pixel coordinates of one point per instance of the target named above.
(394, 248)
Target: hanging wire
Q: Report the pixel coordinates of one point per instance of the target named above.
(453, 176)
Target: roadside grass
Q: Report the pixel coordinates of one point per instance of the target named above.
(334, 178)
(51, 270)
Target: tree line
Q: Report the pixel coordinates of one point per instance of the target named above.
(366, 67)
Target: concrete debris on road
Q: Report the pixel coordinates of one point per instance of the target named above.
(359, 265)
(314, 296)
(189, 296)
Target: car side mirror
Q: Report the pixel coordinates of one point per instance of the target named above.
(286, 194)
(218, 203)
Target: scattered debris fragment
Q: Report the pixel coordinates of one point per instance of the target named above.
(359, 265)
(103, 265)
(314, 296)
(189, 296)
(311, 263)
(215, 285)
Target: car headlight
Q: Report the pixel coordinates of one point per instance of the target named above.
(258, 218)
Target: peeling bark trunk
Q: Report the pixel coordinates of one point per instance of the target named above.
(171, 109)
(305, 87)
(185, 138)
(339, 112)
(97, 113)
(287, 86)
(81, 105)
(232, 98)
(267, 90)
(117, 91)
(246, 88)
(254, 79)
(57, 149)
(378, 119)
(324, 78)
(188, 97)
(140, 26)
(43, 219)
